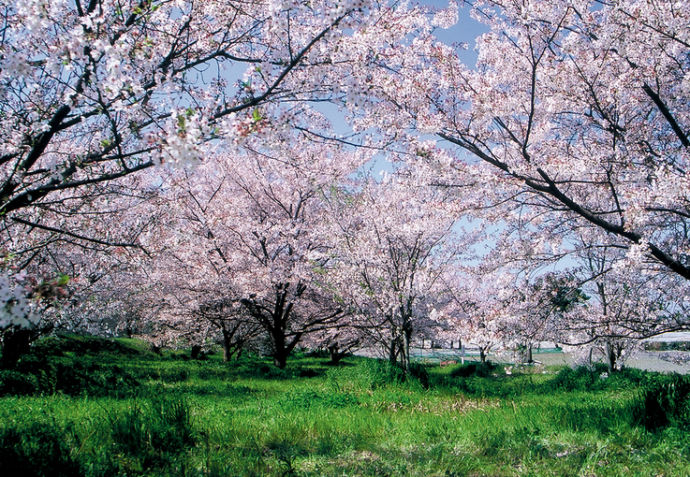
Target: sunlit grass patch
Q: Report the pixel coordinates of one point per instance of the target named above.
(210, 418)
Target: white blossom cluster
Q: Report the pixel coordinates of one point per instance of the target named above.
(15, 307)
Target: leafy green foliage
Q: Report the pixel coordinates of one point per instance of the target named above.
(37, 449)
(474, 368)
(76, 377)
(370, 374)
(312, 399)
(88, 378)
(211, 418)
(81, 345)
(16, 383)
(665, 401)
(579, 379)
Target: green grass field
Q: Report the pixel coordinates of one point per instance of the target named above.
(90, 407)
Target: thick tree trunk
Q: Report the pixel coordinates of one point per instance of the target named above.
(227, 353)
(280, 352)
(227, 344)
(611, 357)
(335, 354)
(393, 353)
(277, 323)
(482, 355)
(280, 360)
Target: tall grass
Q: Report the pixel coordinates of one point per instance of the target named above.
(39, 448)
(184, 417)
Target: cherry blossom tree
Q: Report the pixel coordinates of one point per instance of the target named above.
(94, 91)
(575, 112)
(582, 115)
(624, 308)
(59, 277)
(199, 303)
(229, 317)
(252, 228)
(539, 305)
(338, 341)
(111, 294)
(395, 241)
(476, 308)
(574, 120)
(22, 303)
(502, 309)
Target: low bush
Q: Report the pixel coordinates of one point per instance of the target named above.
(664, 400)
(49, 346)
(582, 378)
(474, 368)
(43, 370)
(372, 374)
(17, 384)
(46, 375)
(420, 372)
(84, 378)
(81, 345)
(37, 450)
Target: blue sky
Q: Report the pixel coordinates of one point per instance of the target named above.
(465, 31)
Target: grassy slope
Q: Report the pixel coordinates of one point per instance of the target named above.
(247, 418)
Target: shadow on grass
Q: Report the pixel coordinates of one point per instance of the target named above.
(490, 381)
(249, 368)
(218, 389)
(264, 370)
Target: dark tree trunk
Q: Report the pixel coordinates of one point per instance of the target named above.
(275, 324)
(280, 360)
(611, 357)
(393, 353)
(482, 355)
(227, 352)
(276, 321)
(227, 344)
(280, 350)
(335, 354)
(15, 343)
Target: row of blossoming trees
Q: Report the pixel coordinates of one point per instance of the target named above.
(171, 168)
